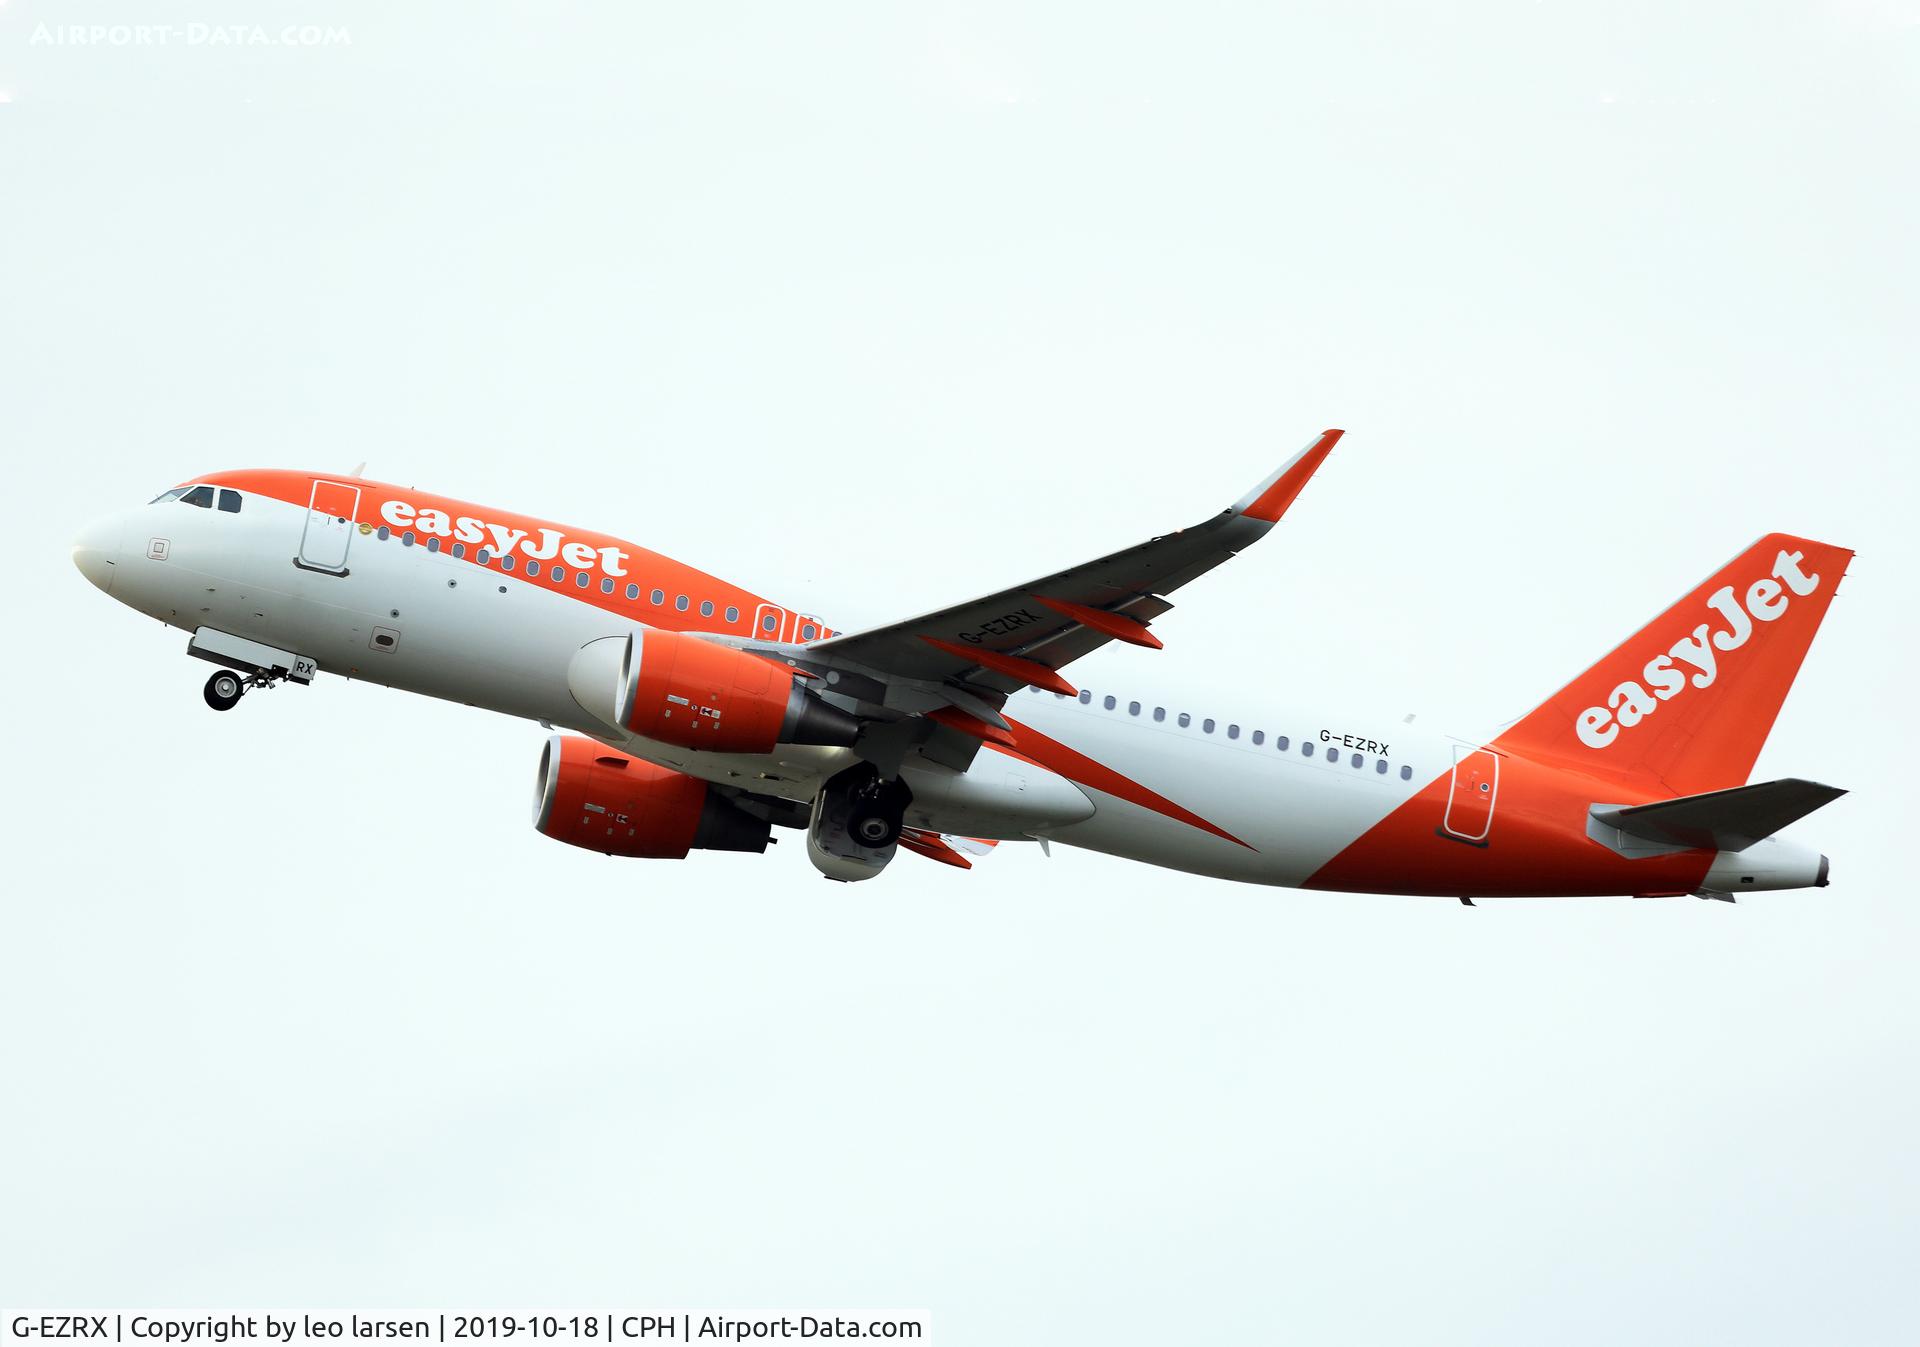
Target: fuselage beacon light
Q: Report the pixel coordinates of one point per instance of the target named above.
(693, 714)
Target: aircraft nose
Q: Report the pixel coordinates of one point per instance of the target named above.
(96, 550)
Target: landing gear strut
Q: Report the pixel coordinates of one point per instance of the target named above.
(224, 690)
(878, 809)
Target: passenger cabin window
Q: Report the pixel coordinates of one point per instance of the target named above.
(1282, 743)
(733, 614)
(201, 496)
(1107, 701)
(1185, 720)
(1381, 767)
(1233, 731)
(1406, 773)
(1259, 737)
(1085, 697)
(1207, 725)
(1159, 713)
(229, 501)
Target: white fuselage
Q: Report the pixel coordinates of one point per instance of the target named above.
(1270, 797)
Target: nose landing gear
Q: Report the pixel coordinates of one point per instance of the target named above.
(223, 690)
(245, 664)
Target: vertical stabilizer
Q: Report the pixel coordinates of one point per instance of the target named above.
(1687, 701)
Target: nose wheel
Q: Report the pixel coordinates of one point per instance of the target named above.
(223, 690)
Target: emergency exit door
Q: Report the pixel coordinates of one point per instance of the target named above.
(1476, 785)
(774, 623)
(331, 510)
(770, 622)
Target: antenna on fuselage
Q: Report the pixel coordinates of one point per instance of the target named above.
(360, 471)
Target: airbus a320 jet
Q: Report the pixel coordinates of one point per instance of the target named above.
(702, 716)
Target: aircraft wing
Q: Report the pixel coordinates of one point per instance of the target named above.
(1024, 635)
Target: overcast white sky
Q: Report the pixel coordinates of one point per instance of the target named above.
(874, 308)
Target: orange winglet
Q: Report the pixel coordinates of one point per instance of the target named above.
(1273, 502)
(1022, 670)
(1117, 625)
(934, 849)
(956, 719)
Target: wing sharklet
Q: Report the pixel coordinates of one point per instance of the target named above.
(1268, 501)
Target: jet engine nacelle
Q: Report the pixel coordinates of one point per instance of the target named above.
(589, 796)
(679, 689)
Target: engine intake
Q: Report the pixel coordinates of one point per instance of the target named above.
(678, 689)
(587, 795)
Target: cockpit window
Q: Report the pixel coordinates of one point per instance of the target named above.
(174, 494)
(229, 501)
(200, 495)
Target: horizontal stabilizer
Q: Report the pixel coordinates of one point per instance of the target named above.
(1720, 820)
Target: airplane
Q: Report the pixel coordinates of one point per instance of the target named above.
(688, 713)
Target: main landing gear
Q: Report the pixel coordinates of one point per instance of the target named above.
(879, 808)
(856, 823)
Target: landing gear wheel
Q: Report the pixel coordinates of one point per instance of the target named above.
(879, 808)
(878, 831)
(223, 690)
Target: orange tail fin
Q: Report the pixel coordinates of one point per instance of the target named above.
(1687, 701)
